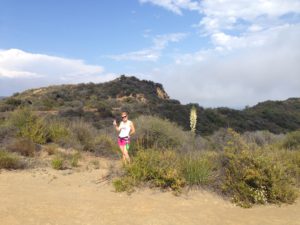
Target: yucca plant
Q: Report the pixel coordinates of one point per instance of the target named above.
(193, 119)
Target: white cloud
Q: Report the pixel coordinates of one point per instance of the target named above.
(231, 10)
(142, 55)
(20, 70)
(253, 54)
(160, 42)
(247, 40)
(255, 28)
(225, 44)
(17, 63)
(230, 14)
(175, 6)
(242, 76)
(240, 16)
(16, 74)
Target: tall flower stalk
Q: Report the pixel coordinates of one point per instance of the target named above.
(193, 119)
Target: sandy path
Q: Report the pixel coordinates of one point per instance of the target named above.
(48, 197)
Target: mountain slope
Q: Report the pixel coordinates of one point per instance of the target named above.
(100, 103)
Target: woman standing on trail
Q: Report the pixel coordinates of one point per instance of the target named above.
(125, 129)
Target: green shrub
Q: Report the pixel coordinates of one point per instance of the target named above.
(51, 149)
(29, 125)
(13, 101)
(219, 139)
(235, 143)
(198, 168)
(153, 132)
(104, 109)
(7, 131)
(124, 184)
(159, 169)
(75, 158)
(292, 140)
(57, 163)
(36, 131)
(47, 103)
(253, 177)
(9, 161)
(39, 129)
(198, 143)
(84, 133)
(249, 176)
(261, 138)
(64, 160)
(21, 117)
(69, 141)
(58, 130)
(105, 145)
(23, 146)
(290, 160)
(72, 111)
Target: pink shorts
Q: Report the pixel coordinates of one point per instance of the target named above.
(123, 141)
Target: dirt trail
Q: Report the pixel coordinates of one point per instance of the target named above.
(48, 197)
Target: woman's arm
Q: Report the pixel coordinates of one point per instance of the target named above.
(132, 129)
(116, 126)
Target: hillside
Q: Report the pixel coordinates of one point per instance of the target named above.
(100, 103)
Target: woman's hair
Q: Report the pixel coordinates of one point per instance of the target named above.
(124, 113)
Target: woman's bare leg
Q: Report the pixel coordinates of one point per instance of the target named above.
(126, 155)
(122, 148)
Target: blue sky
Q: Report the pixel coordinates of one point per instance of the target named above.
(216, 53)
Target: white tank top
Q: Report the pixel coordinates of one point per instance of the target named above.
(124, 129)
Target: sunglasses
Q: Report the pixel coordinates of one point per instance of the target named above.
(124, 116)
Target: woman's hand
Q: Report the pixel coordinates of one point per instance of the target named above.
(115, 123)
